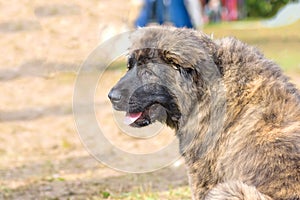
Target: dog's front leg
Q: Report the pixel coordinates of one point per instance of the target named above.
(235, 190)
(199, 184)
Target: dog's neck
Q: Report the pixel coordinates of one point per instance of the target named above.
(207, 116)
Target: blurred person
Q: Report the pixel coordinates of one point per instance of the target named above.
(157, 10)
(242, 11)
(231, 7)
(152, 11)
(213, 10)
(179, 15)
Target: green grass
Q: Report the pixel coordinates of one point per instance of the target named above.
(279, 44)
(181, 193)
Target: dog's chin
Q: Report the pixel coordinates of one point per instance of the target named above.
(148, 116)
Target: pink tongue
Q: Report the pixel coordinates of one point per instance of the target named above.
(131, 117)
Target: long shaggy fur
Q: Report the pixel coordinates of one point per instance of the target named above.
(238, 116)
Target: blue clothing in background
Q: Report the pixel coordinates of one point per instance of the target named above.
(179, 15)
(157, 11)
(152, 11)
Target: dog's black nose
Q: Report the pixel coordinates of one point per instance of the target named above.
(114, 95)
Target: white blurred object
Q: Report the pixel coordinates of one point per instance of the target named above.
(178, 163)
(194, 9)
(285, 16)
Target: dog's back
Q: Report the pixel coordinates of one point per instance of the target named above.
(258, 151)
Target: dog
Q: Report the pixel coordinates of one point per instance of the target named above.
(236, 115)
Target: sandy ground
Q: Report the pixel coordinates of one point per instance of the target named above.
(42, 46)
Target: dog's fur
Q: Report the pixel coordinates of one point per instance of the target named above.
(236, 115)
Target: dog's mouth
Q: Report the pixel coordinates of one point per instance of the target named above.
(149, 115)
(148, 104)
(138, 119)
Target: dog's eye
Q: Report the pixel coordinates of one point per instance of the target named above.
(130, 63)
(187, 72)
(175, 66)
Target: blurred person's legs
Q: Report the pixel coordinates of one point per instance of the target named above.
(231, 6)
(152, 11)
(145, 14)
(160, 11)
(213, 10)
(179, 15)
(242, 10)
(216, 15)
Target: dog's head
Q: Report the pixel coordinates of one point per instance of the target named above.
(163, 81)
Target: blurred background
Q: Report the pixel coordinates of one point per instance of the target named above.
(42, 46)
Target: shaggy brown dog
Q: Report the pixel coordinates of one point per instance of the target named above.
(236, 115)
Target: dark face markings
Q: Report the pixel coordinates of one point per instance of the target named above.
(142, 93)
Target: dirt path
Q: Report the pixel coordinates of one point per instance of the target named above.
(42, 46)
